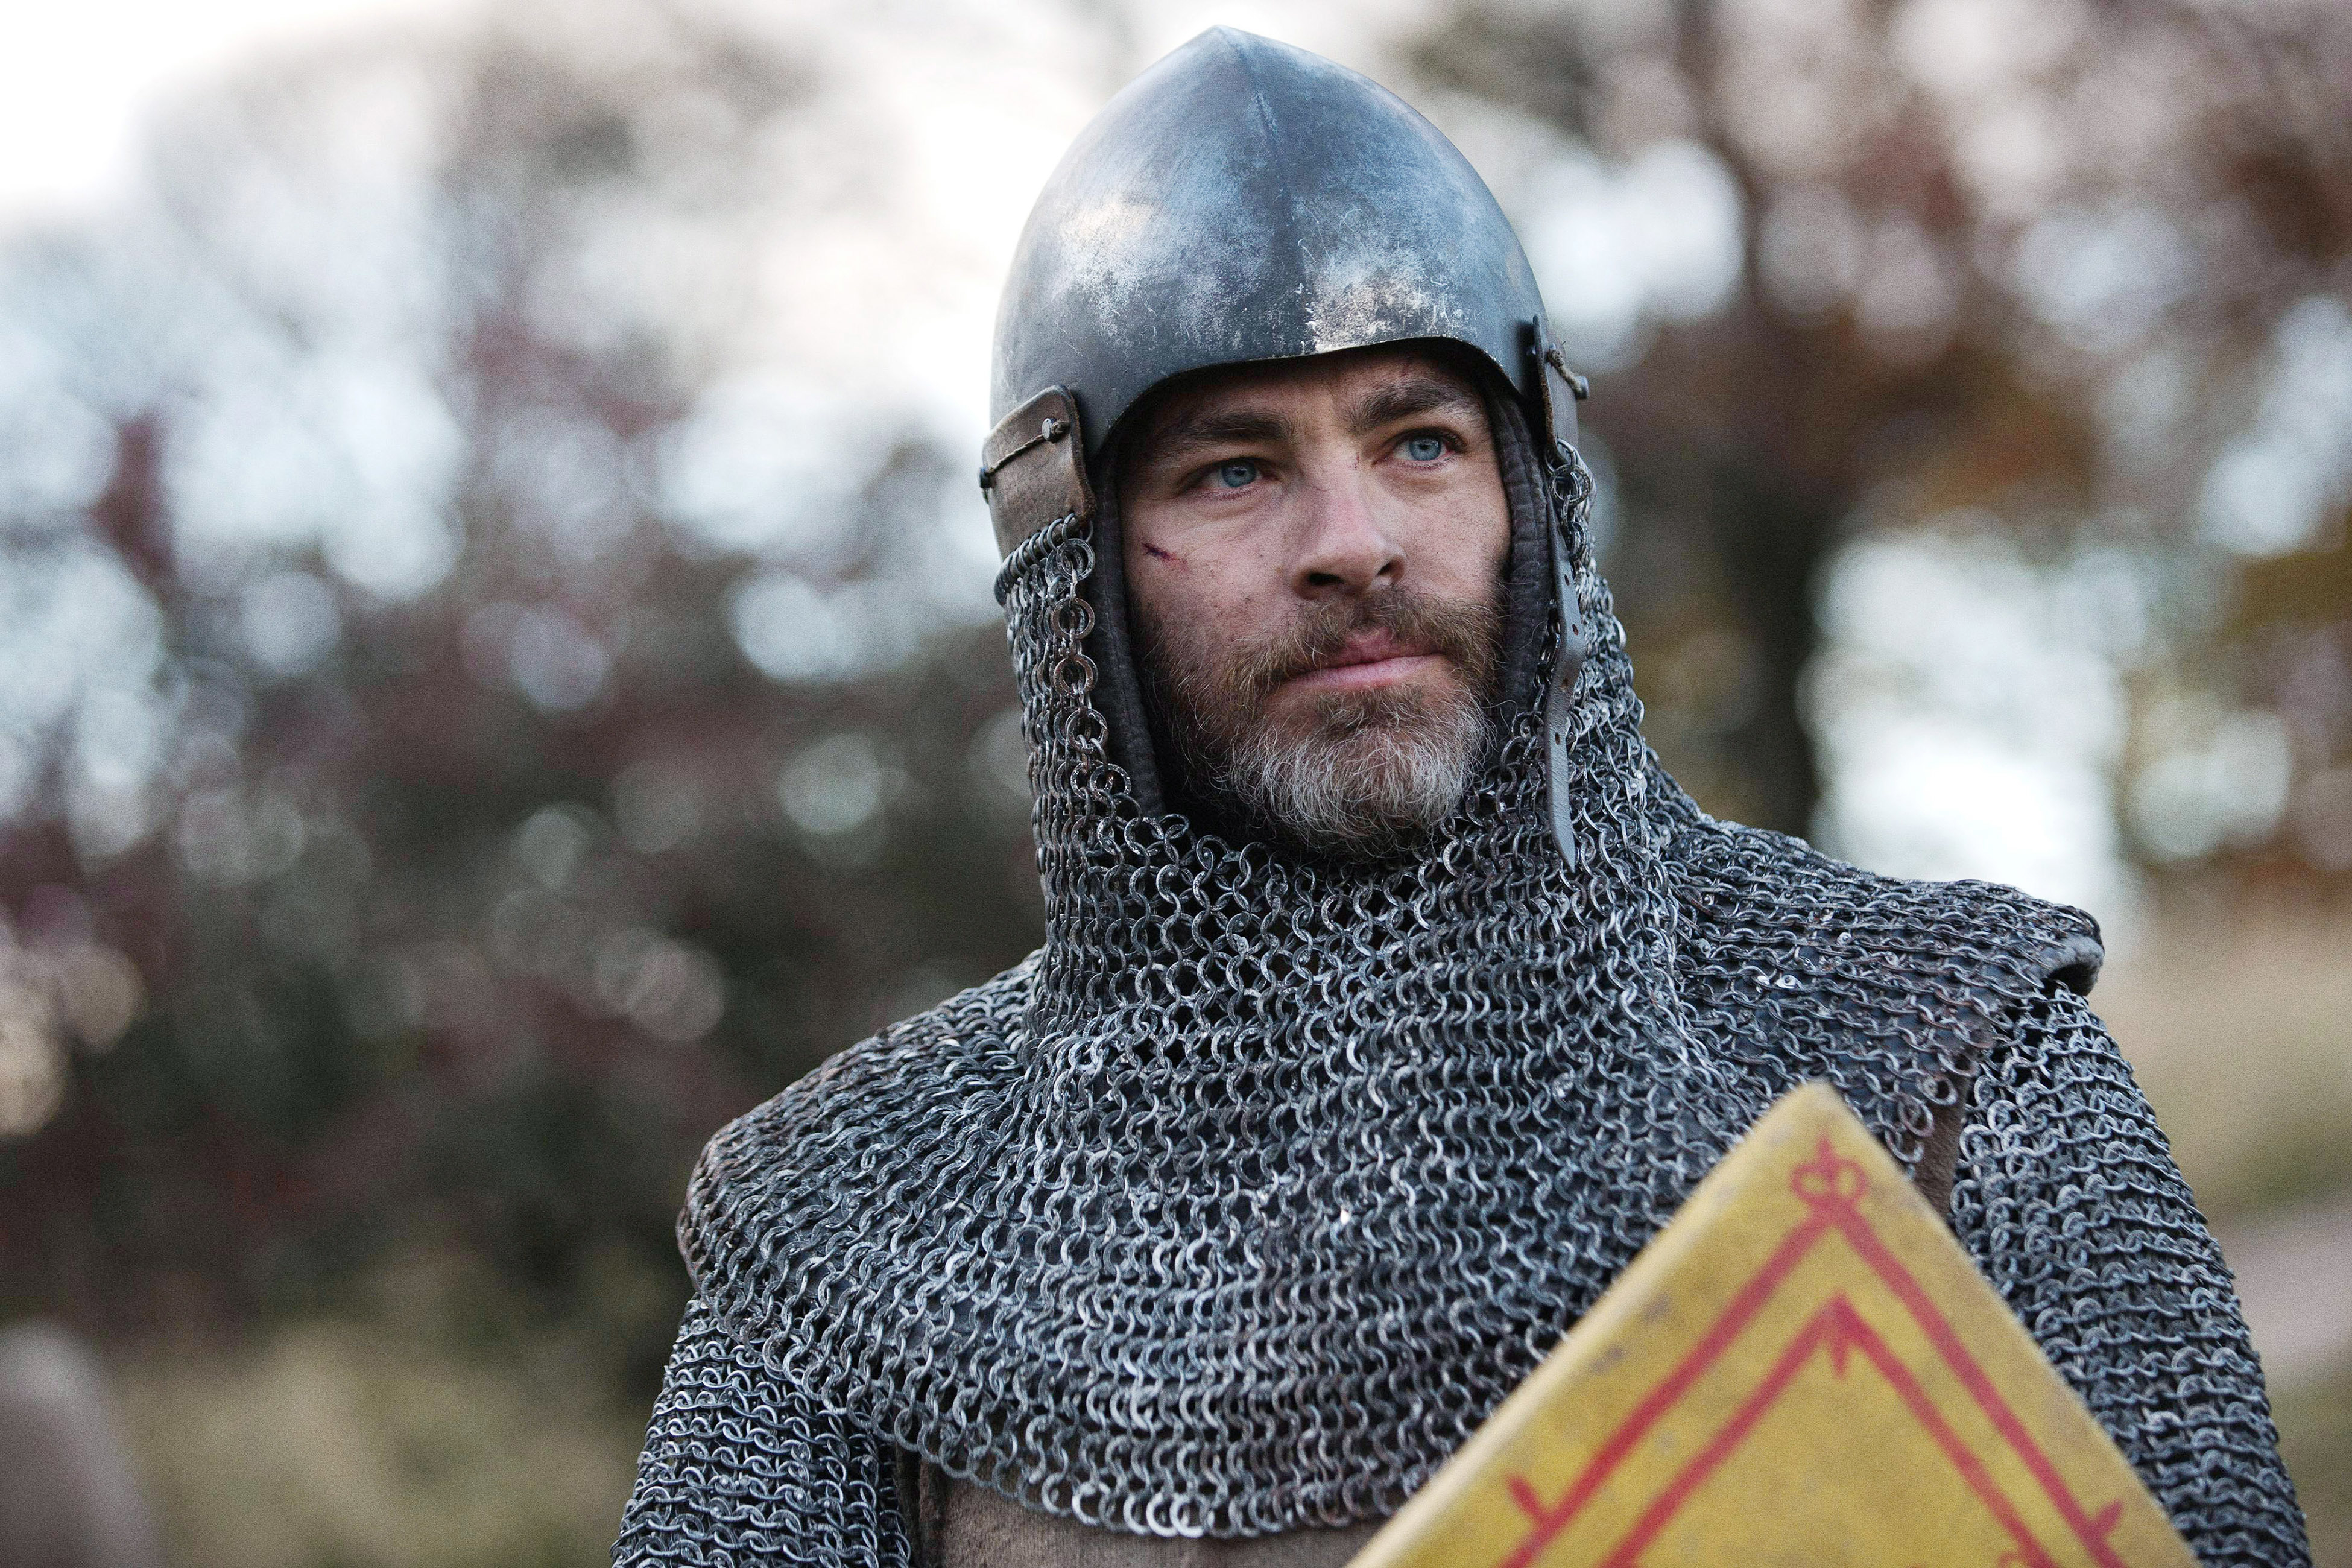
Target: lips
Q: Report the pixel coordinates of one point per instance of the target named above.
(1370, 647)
(1370, 658)
(1359, 646)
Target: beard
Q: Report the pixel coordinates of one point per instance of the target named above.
(1361, 773)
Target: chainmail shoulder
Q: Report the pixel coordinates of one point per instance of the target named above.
(2069, 1201)
(739, 1471)
(1798, 967)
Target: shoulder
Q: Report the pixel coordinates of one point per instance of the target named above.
(1739, 887)
(934, 1053)
(837, 1139)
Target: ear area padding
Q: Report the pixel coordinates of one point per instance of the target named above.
(1033, 469)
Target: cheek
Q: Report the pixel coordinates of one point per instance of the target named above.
(1466, 534)
(1204, 585)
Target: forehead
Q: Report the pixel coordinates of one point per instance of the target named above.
(1345, 376)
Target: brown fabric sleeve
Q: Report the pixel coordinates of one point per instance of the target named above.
(1939, 1161)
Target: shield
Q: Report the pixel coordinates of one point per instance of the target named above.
(1804, 1368)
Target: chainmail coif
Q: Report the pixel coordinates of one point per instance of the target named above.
(1239, 1206)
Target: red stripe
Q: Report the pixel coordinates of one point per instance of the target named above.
(1838, 1326)
(1866, 1241)
(1669, 1502)
(1971, 1468)
(1711, 1346)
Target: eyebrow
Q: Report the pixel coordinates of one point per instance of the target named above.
(1402, 398)
(1406, 396)
(1213, 427)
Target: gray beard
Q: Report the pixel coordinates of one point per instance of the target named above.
(1362, 773)
(1374, 773)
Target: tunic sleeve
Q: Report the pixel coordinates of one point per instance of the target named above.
(2068, 1199)
(737, 1471)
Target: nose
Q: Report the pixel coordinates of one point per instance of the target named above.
(1346, 549)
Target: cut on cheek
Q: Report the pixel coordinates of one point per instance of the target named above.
(1159, 554)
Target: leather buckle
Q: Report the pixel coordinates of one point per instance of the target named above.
(1559, 389)
(1033, 469)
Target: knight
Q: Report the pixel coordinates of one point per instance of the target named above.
(1391, 995)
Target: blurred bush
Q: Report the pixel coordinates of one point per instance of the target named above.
(457, 760)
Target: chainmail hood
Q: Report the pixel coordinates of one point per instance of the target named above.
(1238, 1206)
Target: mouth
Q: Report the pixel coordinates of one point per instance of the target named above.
(1377, 659)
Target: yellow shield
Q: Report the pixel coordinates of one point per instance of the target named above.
(1803, 1369)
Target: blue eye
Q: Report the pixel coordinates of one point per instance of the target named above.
(1423, 449)
(1238, 474)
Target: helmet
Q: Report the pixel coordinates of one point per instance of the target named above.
(1243, 201)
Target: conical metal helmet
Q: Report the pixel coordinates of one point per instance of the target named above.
(1242, 200)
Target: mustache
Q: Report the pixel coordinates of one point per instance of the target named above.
(1463, 632)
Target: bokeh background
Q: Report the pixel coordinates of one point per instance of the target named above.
(498, 672)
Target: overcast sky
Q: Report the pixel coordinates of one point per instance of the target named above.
(77, 81)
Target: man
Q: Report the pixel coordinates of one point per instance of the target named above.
(1391, 995)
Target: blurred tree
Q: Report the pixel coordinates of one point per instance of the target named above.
(2050, 263)
(426, 823)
